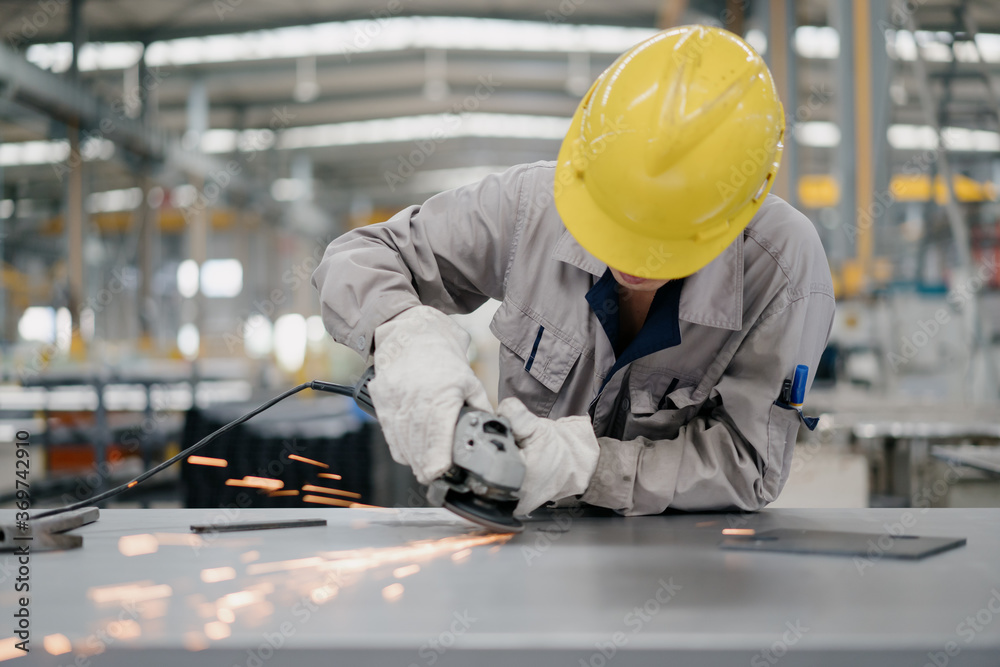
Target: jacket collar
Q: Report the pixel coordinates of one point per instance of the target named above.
(712, 296)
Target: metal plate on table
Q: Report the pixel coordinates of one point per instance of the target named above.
(805, 541)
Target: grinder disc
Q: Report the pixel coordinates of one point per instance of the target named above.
(493, 515)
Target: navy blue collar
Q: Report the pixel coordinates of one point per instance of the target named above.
(660, 330)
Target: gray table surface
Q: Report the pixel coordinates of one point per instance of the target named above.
(643, 590)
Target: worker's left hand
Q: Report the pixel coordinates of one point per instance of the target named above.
(560, 455)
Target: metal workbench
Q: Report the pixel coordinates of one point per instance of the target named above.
(622, 591)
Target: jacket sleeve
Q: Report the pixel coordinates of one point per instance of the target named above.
(735, 451)
(451, 253)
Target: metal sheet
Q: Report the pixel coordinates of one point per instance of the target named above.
(643, 590)
(841, 543)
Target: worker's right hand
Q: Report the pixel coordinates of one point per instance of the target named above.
(422, 380)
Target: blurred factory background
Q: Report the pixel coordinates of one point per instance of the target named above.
(170, 173)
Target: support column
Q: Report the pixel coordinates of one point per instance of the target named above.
(864, 136)
(847, 97)
(781, 58)
(74, 228)
(198, 218)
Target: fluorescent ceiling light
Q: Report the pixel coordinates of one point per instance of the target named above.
(348, 38)
(923, 137)
(187, 278)
(290, 337)
(435, 127)
(817, 42)
(51, 152)
(936, 47)
(288, 189)
(757, 39)
(817, 133)
(221, 278)
(257, 336)
(114, 200)
(188, 341)
(38, 323)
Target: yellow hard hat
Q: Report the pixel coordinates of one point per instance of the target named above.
(671, 153)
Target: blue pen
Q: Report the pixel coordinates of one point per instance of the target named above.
(798, 394)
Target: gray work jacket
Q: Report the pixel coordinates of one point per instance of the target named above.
(694, 426)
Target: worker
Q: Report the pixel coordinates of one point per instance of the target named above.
(654, 296)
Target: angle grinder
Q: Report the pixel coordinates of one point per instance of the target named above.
(487, 467)
(482, 484)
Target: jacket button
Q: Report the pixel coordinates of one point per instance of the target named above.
(625, 405)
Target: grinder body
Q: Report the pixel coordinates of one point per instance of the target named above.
(487, 467)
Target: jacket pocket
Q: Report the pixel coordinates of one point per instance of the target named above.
(534, 360)
(782, 429)
(653, 390)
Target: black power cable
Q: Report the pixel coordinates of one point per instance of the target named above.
(316, 385)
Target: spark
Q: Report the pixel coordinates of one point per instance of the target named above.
(323, 593)
(212, 575)
(9, 650)
(195, 641)
(249, 556)
(278, 566)
(131, 484)
(216, 630)
(240, 599)
(312, 462)
(326, 489)
(265, 483)
(226, 615)
(284, 492)
(739, 531)
(703, 524)
(138, 545)
(392, 592)
(327, 501)
(405, 571)
(57, 644)
(131, 592)
(207, 461)
(462, 555)
(178, 539)
(127, 629)
(153, 609)
(330, 475)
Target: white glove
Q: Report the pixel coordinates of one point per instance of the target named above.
(560, 455)
(422, 380)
